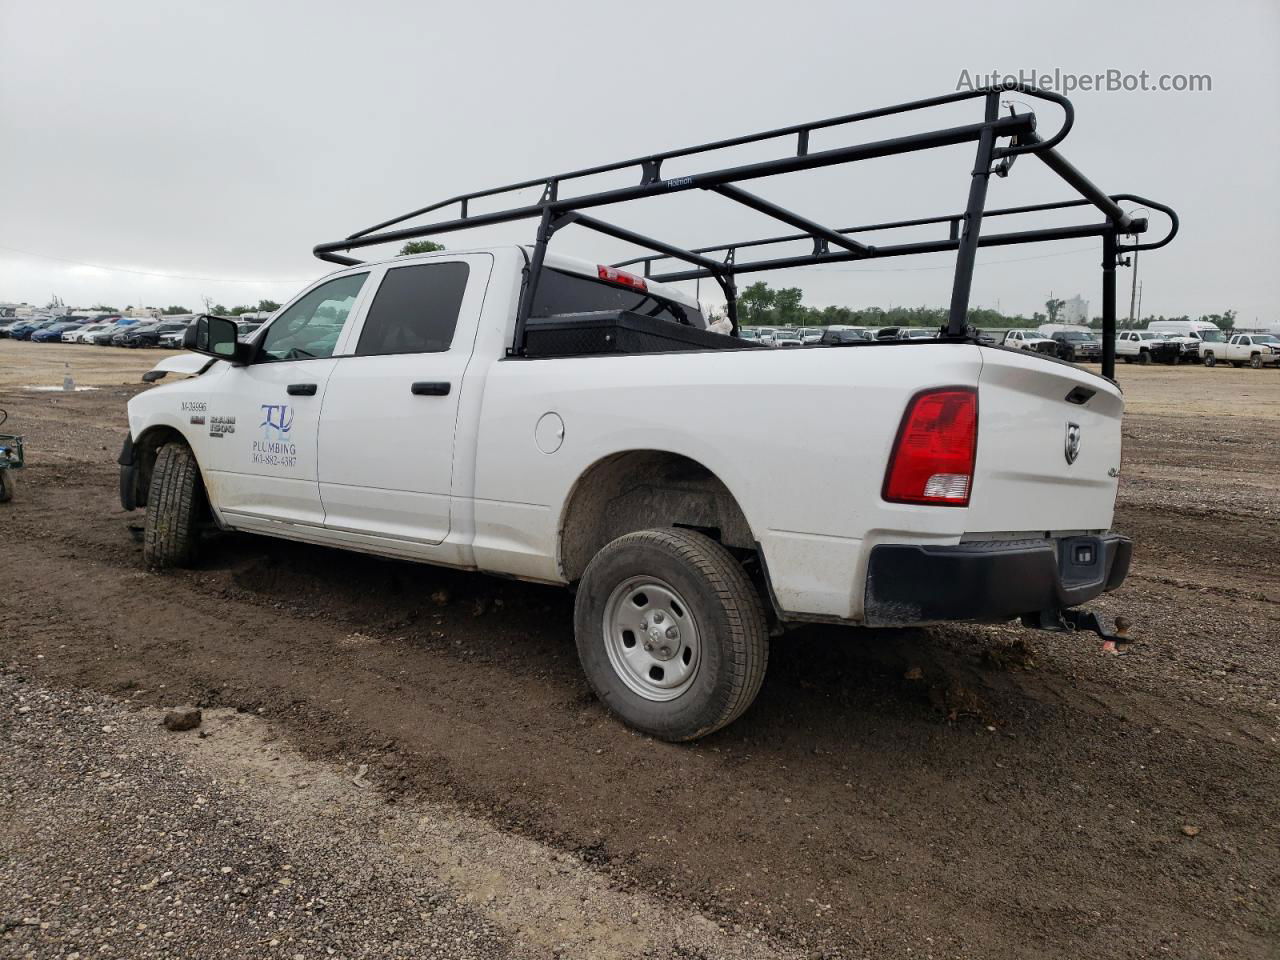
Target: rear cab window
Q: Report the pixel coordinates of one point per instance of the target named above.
(560, 293)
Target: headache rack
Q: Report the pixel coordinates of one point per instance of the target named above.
(1000, 140)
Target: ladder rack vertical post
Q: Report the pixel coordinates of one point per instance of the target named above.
(966, 253)
(1109, 253)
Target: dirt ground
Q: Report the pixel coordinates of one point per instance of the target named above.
(1015, 800)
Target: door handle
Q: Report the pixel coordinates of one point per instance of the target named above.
(301, 390)
(431, 388)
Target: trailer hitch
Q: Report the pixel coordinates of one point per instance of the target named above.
(1067, 620)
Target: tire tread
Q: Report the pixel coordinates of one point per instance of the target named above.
(172, 532)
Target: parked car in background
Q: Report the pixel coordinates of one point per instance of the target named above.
(6, 324)
(24, 330)
(788, 337)
(148, 334)
(1145, 346)
(1077, 346)
(54, 332)
(1255, 349)
(845, 335)
(1032, 340)
(105, 337)
(918, 333)
(84, 334)
(246, 329)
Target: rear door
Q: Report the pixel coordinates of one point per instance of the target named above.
(387, 425)
(1048, 447)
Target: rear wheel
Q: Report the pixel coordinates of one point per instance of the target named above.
(175, 506)
(1209, 360)
(671, 633)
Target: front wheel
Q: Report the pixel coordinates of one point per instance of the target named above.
(6, 485)
(175, 506)
(1209, 360)
(1144, 357)
(1255, 361)
(671, 633)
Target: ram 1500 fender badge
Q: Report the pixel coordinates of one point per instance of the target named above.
(1072, 447)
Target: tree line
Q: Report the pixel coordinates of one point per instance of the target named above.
(760, 305)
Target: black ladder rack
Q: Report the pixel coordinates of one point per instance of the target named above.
(1000, 139)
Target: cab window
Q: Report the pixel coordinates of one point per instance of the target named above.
(415, 310)
(309, 329)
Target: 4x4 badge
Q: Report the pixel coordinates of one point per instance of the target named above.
(1072, 447)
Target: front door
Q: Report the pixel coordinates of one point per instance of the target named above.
(387, 424)
(263, 418)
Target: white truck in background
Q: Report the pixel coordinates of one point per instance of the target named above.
(1254, 349)
(1190, 335)
(1145, 346)
(1032, 340)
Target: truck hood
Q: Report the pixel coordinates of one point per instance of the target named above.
(188, 364)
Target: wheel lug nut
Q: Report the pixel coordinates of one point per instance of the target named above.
(666, 651)
(672, 632)
(657, 616)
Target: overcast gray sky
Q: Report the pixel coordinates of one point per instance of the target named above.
(142, 143)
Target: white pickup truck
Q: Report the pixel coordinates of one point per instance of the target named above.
(1255, 349)
(379, 411)
(519, 412)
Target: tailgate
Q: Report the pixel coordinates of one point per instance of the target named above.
(1027, 476)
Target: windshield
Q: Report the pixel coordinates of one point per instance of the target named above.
(1264, 338)
(1077, 336)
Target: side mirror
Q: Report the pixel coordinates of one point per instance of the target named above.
(215, 337)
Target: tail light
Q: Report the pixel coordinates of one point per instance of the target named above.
(932, 459)
(621, 278)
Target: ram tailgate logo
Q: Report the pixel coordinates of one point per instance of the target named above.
(1072, 447)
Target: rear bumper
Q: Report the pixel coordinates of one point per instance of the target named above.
(990, 581)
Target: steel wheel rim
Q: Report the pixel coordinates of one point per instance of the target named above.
(651, 638)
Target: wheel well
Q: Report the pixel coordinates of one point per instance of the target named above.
(642, 489)
(145, 450)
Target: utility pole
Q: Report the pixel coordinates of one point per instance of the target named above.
(1134, 291)
(1139, 295)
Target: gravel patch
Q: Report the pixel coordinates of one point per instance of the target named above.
(119, 838)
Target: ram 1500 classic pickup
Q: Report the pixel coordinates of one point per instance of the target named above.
(521, 412)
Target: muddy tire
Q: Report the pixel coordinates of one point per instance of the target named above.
(671, 633)
(175, 506)
(6, 486)
(1210, 360)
